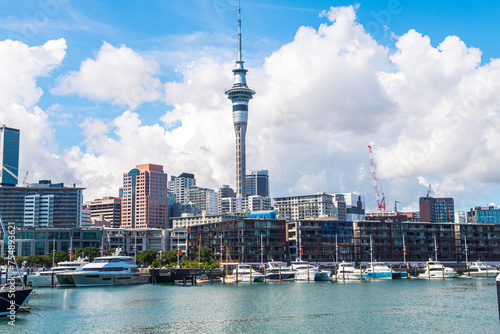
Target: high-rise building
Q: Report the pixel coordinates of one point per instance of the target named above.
(9, 156)
(340, 206)
(258, 203)
(205, 199)
(86, 221)
(42, 204)
(461, 217)
(106, 210)
(240, 94)
(257, 183)
(224, 192)
(178, 186)
(355, 206)
(295, 208)
(481, 215)
(245, 204)
(436, 210)
(145, 197)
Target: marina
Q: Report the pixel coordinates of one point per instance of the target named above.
(451, 305)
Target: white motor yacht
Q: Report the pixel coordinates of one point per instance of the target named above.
(276, 272)
(304, 271)
(42, 278)
(435, 269)
(109, 270)
(244, 273)
(48, 278)
(481, 270)
(65, 269)
(247, 274)
(377, 270)
(346, 271)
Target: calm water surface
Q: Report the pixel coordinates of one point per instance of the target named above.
(436, 306)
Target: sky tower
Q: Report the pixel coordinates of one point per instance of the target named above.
(239, 95)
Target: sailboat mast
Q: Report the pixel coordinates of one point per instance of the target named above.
(336, 251)
(404, 250)
(53, 251)
(261, 251)
(466, 253)
(435, 247)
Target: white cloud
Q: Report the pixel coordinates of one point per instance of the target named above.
(20, 67)
(320, 100)
(118, 75)
(432, 114)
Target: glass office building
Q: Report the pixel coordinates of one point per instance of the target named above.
(9, 155)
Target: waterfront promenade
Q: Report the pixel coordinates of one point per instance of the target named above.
(418, 306)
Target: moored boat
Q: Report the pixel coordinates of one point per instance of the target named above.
(275, 272)
(435, 269)
(247, 274)
(11, 300)
(346, 271)
(65, 270)
(304, 271)
(377, 270)
(109, 270)
(481, 270)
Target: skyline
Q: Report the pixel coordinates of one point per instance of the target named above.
(94, 96)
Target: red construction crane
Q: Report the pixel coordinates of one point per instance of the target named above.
(380, 203)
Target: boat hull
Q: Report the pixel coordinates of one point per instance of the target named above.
(378, 275)
(275, 277)
(305, 276)
(41, 281)
(11, 301)
(322, 276)
(106, 279)
(399, 274)
(65, 280)
(436, 275)
(482, 274)
(349, 277)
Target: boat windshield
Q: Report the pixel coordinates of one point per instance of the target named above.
(106, 269)
(69, 265)
(104, 260)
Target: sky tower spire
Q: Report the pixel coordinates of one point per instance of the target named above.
(239, 30)
(240, 94)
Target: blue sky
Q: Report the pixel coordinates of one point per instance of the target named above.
(177, 50)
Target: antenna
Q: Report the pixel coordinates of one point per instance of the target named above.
(239, 30)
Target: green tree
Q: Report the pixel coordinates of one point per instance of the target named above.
(45, 260)
(19, 260)
(32, 259)
(110, 251)
(2, 260)
(84, 252)
(60, 256)
(206, 254)
(147, 256)
(170, 257)
(155, 263)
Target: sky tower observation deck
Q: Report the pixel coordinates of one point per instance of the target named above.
(240, 94)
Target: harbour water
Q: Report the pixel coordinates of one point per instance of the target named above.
(384, 306)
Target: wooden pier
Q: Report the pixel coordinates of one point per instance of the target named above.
(179, 276)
